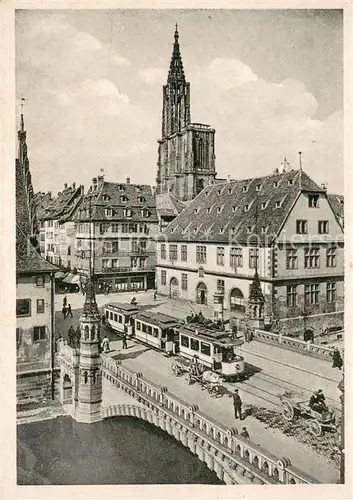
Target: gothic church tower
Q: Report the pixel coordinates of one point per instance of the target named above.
(186, 159)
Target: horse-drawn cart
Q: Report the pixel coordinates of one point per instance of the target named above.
(294, 406)
(194, 372)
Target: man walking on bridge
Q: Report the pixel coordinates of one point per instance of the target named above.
(237, 404)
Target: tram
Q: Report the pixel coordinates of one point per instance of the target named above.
(118, 316)
(157, 330)
(214, 349)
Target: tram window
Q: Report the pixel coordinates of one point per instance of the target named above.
(115, 317)
(138, 325)
(194, 344)
(184, 341)
(144, 327)
(120, 318)
(155, 332)
(205, 349)
(107, 314)
(111, 315)
(149, 330)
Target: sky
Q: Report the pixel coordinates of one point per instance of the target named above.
(269, 81)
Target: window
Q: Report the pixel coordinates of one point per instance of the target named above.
(115, 228)
(201, 254)
(208, 210)
(263, 205)
(302, 226)
(23, 307)
(220, 256)
(163, 251)
(236, 257)
(144, 327)
(249, 229)
(184, 252)
(229, 191)
(292, 259)
(258, 187)
(138, 325)
(40, 306)
(18, 335)
(105, 263)
(275, 184)
(155, 332)
(205, 349)
(173, 252)
(127, 212)
(201, 272)
(194, 344)
(331, 292)
(108, 212)
(278, 204)
(40, 281)
(290, 182)
(244, 189)
(132, 228)
(292, 295)
(311, 257)
(323, 227)
(253, 255)
(124, 228)
(38, 333)
(234, 208)
(246, 207)
(263, 229)
(184, 341)
(145, 212)
(141, 199)
(311, 294)
(163, 277)
(331, 257)
(220, 285)
(123, 199)
(115, 263)
(184, 281)
(313, 200)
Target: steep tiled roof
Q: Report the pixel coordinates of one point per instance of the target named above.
(28, 260)
(227, 211)
(41, 202)
(168, 205)
(336, 202)
(63, 204)
(119, 196)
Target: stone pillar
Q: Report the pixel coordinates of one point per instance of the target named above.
(218, 306)
(256, 304)
(89, 400)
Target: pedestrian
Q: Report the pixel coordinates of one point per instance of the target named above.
(155, 295)
(63, 310)
(237, 404)
(78, 333)
(65, 301)
(124, 340)
(71, 335)
(244, 433)
(105, 345)
(234, 332)
(69, 311)
(337, 359)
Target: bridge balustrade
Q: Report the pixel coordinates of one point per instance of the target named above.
(187, 423)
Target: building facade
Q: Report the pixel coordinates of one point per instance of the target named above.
(281, 226)
(59, 227)
(186, 151)
(34, 294)
(116, 227)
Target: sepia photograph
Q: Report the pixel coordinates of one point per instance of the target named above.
(180, 249)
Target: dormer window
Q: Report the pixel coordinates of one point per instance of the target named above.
(221, 230)
(229, 191)
(127, 212)
(246, 207)
(263, 229)
(121, 188)
(172, 230)
(278, 204)
(141, 199)
(232, 230)
(219, 209)
(275, 184)
(290, 182)
(106, 197)
(108, 212)
(245, 189)
(138, 189)
(234, 208)
(123, 199)
(219, 191)
(195, 229)
(249, 229)
(263, 205)
(196, 210)
(258, 187)
(313, 200)
(208, 210)
(145, 212)
(206, 193)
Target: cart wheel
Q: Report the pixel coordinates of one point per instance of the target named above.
(287, 410)
(188, 378)
(175, 369)
(315, 428)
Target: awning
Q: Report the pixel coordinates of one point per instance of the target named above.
(72, 279)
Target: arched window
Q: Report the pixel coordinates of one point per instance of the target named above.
(237, 300)
(201, 293)
(174, 288)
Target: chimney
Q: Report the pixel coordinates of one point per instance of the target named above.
(228, 178)
(324, 186)
(276, 171)
(94, 180)
(74, 185)
(127, 180)
(100, 180)
(65, 185)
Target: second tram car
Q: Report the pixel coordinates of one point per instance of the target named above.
(157, 330)
(214, 349)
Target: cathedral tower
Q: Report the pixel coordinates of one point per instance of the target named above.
(186, 159)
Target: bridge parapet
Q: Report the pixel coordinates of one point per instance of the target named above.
(236, 456)
(69, 354)
(306, 347)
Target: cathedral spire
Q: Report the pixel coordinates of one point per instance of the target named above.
(176, 70)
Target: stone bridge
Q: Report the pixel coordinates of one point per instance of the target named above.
(233, 458)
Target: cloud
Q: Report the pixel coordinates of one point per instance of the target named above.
(153, 76)
(228, 73)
